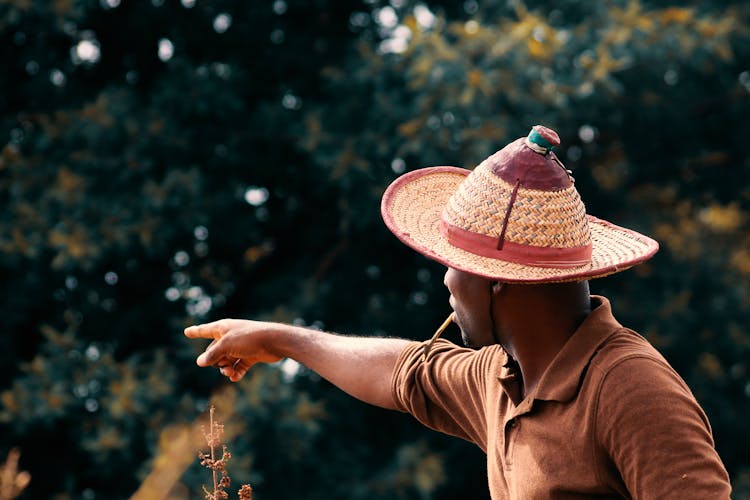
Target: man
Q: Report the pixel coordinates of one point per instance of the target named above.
(565, 401)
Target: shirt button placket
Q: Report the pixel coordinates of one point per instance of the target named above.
(511, 431)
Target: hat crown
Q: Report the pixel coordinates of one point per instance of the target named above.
(531, 160)
(523, 195)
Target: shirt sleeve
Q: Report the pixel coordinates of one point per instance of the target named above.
(448, 392)
(656, 434)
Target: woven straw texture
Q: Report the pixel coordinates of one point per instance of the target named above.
(412, 208)
(537, 218)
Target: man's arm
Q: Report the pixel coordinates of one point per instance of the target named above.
(360, 366)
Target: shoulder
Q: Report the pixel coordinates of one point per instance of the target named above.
(629, 371)
(626, 357)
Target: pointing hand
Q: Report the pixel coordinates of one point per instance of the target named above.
(236, 345)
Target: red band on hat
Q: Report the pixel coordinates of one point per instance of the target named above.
(486, 246)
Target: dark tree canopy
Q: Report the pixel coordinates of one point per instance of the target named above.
(169, 162)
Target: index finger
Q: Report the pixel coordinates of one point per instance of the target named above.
(205, 331)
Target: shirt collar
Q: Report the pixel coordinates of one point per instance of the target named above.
(562, 379)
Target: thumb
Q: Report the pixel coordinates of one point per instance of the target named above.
(213, 353)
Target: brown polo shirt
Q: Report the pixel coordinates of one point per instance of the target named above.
(609, 418)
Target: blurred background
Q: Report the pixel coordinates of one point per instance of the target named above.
(166, 163)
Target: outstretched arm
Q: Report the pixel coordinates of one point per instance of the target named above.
(360, 366)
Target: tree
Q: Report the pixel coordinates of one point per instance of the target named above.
(174, 162)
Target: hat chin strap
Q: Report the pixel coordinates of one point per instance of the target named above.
(528, 255)
(493, 326)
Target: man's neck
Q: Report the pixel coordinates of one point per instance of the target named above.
(536, 321)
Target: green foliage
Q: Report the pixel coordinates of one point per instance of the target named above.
(173, 162)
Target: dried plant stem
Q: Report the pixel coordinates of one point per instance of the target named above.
(220, 484)
(212, 443)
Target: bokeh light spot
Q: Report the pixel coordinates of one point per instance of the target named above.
(471, 7)
(424, 16)
(291, 101)
(32, 67)
(587, 133)
(222, 22)
(256, 196)
(92, 353)
(71, 282)
(671, 77)
(359, 20)
(398, 166)
(200, 233)
(86, 51)
(386, 17)
(165, 50)
(277, 36)
(279, 7)
(744, 79)
(57, 77)
(181, 258)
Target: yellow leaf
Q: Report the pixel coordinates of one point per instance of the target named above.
(537, 49)
(722, 219)
(410, 128)
(411, 23)
(724, 51)
(740, 260)
(675, 15)
(68, 181)
(710, 365)
(474, 78)
(632, 17)
(9, 401)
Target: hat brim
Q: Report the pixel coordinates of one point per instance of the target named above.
(412, 207)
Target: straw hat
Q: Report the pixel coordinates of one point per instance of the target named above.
(516, 218)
